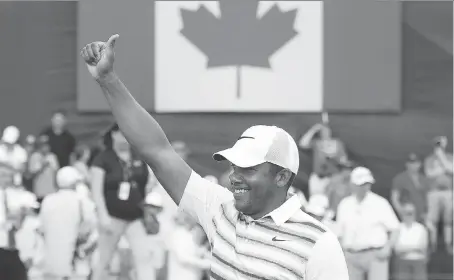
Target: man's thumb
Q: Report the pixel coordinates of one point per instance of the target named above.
(111, 42)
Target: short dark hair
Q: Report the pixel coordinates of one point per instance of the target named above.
(107, 137)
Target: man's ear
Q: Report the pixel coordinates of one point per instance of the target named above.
(283, 178)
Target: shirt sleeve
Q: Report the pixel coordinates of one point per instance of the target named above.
(327, 261)
(389, 218)
(201, 200)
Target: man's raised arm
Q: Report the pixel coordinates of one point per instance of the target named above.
(139, 127)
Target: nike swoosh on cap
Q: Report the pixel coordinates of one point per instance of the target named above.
(246, 137)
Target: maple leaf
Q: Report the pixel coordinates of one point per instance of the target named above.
(238, 37)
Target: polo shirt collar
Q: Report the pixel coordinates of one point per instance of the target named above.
(284, 212)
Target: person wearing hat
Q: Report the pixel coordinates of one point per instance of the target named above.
(10, 151)
(367, 228)
(43, 166)
(438, 167)
(13, 153)
(65, 218)
(255, 232)
(15, 204)
(411, 186)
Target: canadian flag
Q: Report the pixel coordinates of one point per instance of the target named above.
(249, 56)
(238, 56)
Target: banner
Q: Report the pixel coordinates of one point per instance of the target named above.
(249, 56)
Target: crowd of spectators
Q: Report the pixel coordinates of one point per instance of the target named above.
(73, 212)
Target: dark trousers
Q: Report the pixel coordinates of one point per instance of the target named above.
(409, 269)
(11, 266)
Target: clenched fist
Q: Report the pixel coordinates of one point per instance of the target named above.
(99, 57)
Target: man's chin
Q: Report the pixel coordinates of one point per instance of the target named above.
(241, 207)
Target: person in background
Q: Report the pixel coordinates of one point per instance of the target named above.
(411, 247)
(327, 152)
(65, 219)
(13, 153)
(187, 257)
(43, 166)
(82, 155)
(61, 141)
(438, 167)
(411, 186)
(170, 208)
(118, 181)
(14, 205)
(29, 146)
(367, 229)
(153, 206)
(339, 186)
(318, 208)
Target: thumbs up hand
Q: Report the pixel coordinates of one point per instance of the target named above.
(99, 57)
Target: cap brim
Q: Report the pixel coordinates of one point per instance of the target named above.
(238, 158)
(362, 182)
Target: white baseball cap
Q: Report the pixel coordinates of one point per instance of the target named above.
(361, 175)
(317, 205)
(260, 144)
(10, 134)
(68, 176)
(154, 199)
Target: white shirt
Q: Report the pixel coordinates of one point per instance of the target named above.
(317, 185)
(16, 199)
(365, 224)
(212, 207)
(17, 157)
(61, 222)
(185, 256)
(412, 241)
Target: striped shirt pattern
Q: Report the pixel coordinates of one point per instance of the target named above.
(243, 248)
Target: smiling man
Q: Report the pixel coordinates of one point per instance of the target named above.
(255, 233)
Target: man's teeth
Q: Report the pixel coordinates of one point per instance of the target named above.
(240, 191)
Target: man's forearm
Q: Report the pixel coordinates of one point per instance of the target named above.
(99, 201)
(138, 126)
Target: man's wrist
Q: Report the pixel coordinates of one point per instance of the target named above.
(107, 78)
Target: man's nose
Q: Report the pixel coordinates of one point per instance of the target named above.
(234, 178)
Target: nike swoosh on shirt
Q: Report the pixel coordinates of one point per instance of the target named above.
(278, 239)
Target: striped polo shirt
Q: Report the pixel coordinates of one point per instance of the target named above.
(285, 244)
